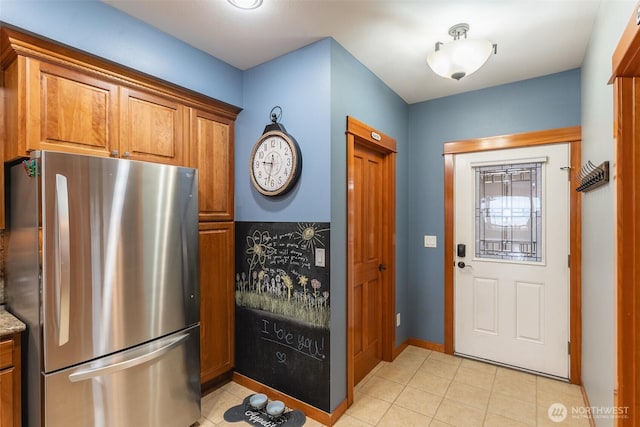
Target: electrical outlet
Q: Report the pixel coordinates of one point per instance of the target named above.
(397, 319)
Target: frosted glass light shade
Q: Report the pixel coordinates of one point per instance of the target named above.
(459, 58)
(246, 4)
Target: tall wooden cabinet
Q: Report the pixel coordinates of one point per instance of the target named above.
(211, 144)
(56, 98)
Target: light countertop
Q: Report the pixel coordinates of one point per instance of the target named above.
(9, 324)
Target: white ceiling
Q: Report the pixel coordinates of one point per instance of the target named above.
(390, 37)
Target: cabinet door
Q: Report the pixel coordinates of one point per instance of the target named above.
(212, 154)
(6, 398)
(217, 299)
(69, 111)
(9, 380)
(151, 128)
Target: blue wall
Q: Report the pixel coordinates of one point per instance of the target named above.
(543, 103)
(101, 30)
(299, 83)
(356, 92)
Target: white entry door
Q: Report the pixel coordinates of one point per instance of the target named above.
(511, 281)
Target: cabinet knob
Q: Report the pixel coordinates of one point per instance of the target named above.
(115, 153)
(127, 154)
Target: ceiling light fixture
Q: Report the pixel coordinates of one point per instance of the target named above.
(462, 56)
(246, 4)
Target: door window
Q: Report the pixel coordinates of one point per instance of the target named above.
(508, 212)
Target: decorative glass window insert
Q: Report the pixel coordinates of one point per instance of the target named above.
(508, 212)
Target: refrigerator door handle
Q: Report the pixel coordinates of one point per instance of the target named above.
(63, 259)
(131, 360)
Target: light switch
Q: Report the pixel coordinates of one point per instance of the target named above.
(430, 241)
(320, 257)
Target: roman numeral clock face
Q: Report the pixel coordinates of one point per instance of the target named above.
(275, 163)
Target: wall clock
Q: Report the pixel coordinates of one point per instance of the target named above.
(275, 162)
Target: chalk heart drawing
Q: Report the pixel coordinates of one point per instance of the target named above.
(282, 357)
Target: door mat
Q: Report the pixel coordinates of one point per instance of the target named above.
(244, 412)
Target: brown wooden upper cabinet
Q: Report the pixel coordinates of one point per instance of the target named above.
(49, 107)
(152, 128)
(212, 154)
(66, 110)
(60, 99)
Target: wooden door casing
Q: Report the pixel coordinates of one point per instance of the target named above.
(626, 119)
(360, 134)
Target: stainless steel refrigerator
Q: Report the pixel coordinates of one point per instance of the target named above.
(102, 266)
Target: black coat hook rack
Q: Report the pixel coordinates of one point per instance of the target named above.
(592, 176)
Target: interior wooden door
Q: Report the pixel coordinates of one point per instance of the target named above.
(368, 262)
(371, 205)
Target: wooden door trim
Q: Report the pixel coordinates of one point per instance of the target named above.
(627, 175)
(626, 78)
(571, 135)
(527, 139)
(625, 61)
(378, 141)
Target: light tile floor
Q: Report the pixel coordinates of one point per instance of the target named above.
(426, 388)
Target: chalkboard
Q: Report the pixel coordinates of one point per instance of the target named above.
(283, 307)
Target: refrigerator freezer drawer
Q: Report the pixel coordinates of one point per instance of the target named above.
(155, 384)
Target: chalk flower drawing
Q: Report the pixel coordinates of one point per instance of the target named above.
(259, 248)
(289, 284)
(316, 285)
(302, 281)
(276, 284)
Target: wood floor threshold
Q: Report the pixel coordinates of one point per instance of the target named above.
(426, 344)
